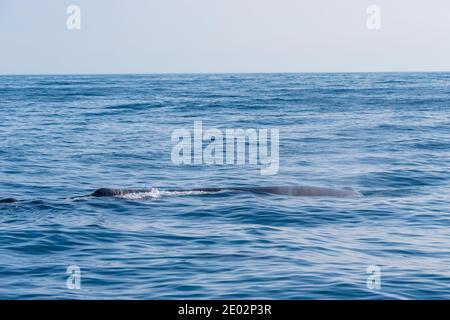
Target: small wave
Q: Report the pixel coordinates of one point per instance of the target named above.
(131, 106)
(64, 83)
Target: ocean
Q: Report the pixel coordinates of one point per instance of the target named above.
(386, 135)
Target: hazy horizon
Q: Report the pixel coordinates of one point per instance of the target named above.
(211, 73)
(213, 36)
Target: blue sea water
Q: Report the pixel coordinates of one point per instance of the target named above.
(386, 135)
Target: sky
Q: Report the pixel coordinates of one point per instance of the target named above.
(208, 36)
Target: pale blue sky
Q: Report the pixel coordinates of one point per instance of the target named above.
(158, 36)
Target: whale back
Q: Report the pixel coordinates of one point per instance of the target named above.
(307, 191)
(299, 191)
(107, 192)
(304, 191)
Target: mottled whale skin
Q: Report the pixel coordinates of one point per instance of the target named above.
(299, 191)
(107, 192)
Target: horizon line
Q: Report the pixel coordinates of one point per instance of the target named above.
(214, 73)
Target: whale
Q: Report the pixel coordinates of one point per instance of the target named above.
(298, 191)
(8, 200)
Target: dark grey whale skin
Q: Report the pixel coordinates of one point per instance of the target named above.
(299, 191)
(8, 200)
